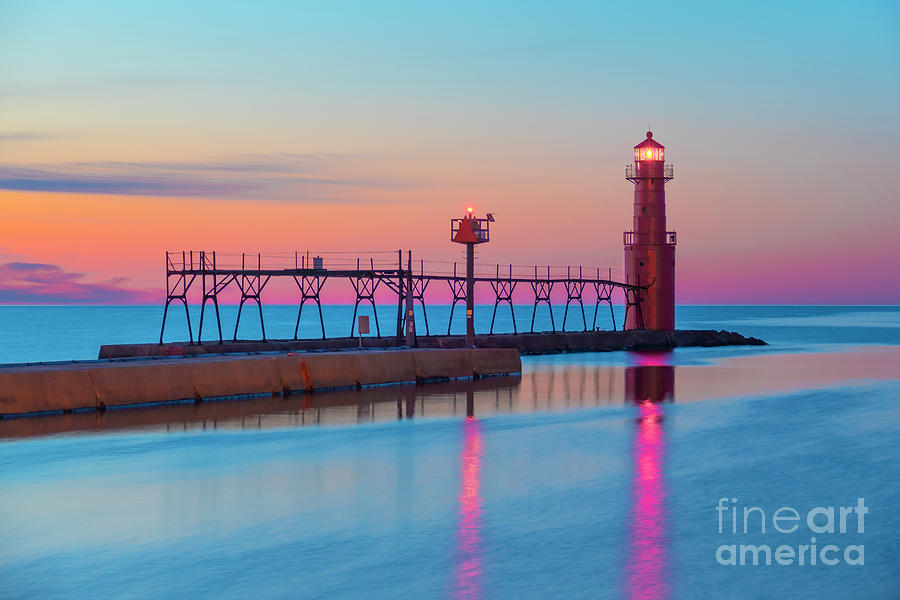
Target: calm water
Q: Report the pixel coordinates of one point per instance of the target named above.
(47, 333)
(590, 476)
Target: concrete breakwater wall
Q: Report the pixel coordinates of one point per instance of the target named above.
(105, 384)
(525, 343)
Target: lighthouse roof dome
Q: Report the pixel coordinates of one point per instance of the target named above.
(649, 142)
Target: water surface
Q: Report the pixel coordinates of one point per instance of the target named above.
(589, 476)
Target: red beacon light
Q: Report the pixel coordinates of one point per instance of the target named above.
(470, 229)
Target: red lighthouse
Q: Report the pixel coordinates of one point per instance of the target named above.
(649, 248)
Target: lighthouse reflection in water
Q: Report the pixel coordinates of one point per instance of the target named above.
(649, 384)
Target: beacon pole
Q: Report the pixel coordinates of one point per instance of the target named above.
(470, 231)
(470, 294)
(410, 314)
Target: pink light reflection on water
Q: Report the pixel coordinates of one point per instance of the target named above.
(650, 358)
(647, 557)
(468, 535)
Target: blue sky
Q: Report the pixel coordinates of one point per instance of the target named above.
(776, 115)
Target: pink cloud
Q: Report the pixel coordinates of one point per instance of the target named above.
(38, 283)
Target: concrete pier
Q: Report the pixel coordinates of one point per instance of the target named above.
(97, 385)
(136, 374)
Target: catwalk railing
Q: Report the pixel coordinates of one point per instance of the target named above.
(249, 274)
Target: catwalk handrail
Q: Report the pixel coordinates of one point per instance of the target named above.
(542, 273)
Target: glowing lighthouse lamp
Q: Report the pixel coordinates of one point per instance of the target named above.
(470, 230)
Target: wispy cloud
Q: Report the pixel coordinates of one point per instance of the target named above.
(25, 136)
(285, 176)
(97, 86)
(39, 283)
(136, 184)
